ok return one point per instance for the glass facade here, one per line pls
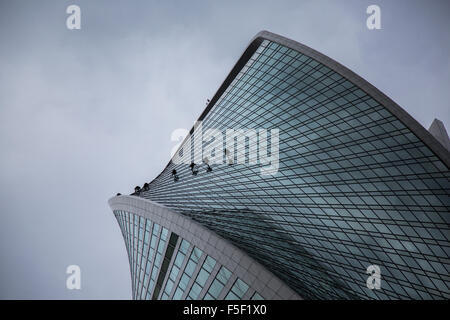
(218, 284)
(165, 266)
(355, 187)
(237, 291)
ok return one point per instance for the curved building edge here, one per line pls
(411, 123)
(242, 266)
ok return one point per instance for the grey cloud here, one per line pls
(85, 114)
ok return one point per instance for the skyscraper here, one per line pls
(353, 182)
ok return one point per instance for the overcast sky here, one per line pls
(87, 113)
